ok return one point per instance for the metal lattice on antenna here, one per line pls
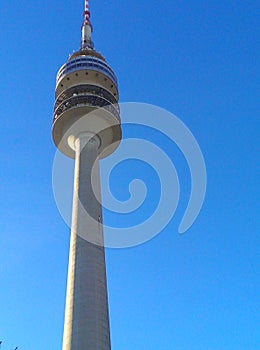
(87, 13)
(87, 29)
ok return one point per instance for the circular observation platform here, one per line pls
(86, 101)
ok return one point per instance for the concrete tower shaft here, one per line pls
(86, 319)
(86, 126)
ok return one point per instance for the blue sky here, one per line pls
(197, 59)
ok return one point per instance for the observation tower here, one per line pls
(86, 127)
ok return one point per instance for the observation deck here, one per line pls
(86, 95)
(86, 63)
(86, 101)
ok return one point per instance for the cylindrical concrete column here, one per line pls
(86, 316)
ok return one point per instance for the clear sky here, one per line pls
(199, 60)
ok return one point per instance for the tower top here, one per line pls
(87, 42)
(86, 14)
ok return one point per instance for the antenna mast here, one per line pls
(87, 29)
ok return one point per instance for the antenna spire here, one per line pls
(87, 29)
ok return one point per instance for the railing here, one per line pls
(84, 90)
(88, 63)
(87, 100)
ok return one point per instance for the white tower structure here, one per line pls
(86, 126)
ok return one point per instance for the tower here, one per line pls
(86, 126)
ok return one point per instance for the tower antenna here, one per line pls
(87, 29)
